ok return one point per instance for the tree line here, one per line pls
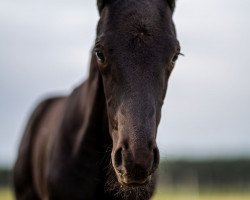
(208, 173)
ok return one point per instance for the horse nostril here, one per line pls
(150, 146)
(156, 159)
(118, 159)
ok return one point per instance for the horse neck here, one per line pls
(93, 115)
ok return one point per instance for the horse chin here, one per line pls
(126, 182)
(121, 189)
(133, 184)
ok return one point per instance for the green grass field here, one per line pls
(5, 194)
(178, 195)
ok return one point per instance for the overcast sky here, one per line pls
(44, 49)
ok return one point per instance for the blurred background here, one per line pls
(204, 135)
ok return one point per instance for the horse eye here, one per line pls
(100, 56)
(174, 59)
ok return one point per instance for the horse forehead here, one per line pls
(137, 16)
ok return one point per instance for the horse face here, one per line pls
(136, 49)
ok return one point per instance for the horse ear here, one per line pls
(100, 5)
(171, 3)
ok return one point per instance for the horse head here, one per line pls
(136, 49)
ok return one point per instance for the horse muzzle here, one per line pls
(134, 167)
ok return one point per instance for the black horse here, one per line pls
(100, 142)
